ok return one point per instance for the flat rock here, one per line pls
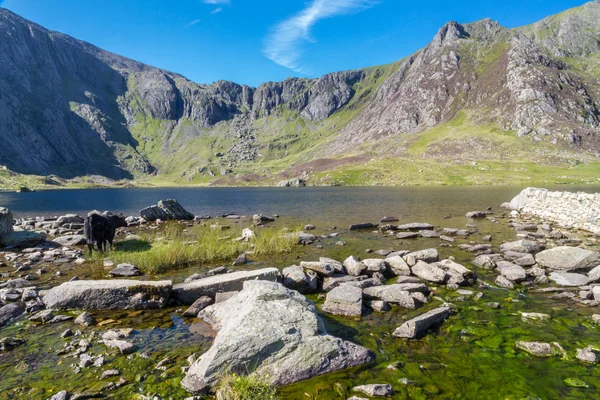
(189, 292)
(337, 280)
(539, 349)
(407, 235)
(124, 346)
(568, 279)
(323, 269)
(567, 259)
(109, 295)
(522, 246)
(70, 240)
(278, 331)
(339, 267)
(22, 239)
(126, 270)
(512, 272)
(375, 390)
(344, 300)
(427, 255)
(366, 225)
(429, 272)
(418, 325)
(353, 266)
(398, 266)
(391, 294)
(414, 226)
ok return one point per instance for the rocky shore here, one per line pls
(273, 322)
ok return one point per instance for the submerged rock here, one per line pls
(9, 343)
(374, 389)
(109, 295)
(568, 259)
(539, 349)
(189, 292)
(270, 331)
(418, 325)
(126, 270)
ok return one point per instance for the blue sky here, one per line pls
(253, 41)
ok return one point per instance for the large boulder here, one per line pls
(273, 332)
(166, 210)
(22, 239)
(6, 221)
(188, 292)
(567, 259)
(109, 295)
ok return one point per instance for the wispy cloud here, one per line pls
(216, 1)
(217, 10)
(284, 45)
(191, 23)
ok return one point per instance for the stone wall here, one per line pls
(567, 209)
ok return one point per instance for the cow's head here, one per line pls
(118, 220)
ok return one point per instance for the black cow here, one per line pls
(100, 229)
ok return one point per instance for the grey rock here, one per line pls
(109, 295)
(594, 275)
(354, 267)
(407, 235)
(6, 221)
(374, 265)
(375, 390)
(415, 226)
(567, 259)
(504, 283)
(477, 214)
(124, 346)
(322, 269)
(512, 272)
(9, 343)
(276, 328)
(85, 319)
(188, 293)
(296, 278)
(10, 311)
(241, 259)
(391, 294)
(126, 270)
(417, 326)
(587, 355)
(398, 266)
(427, 255)
(568, 279)
(337, 280)
(70, 240)
(522, 246)
(22, 239)
(378, 305)
(166, 210)
(224, 296)
(344, 300)
(366, 225)
(429, 272)
(338, 266)
(62, 395)
(539, 349)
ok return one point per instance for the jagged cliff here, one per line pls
(69, 108)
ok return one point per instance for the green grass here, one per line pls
(234, 387)
(179, 246)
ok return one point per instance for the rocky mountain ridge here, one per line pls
(69, 108)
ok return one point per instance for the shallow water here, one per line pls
(471, 356)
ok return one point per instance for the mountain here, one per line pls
(481, 103)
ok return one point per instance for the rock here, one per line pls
(337, 280)
(70, 240)
(407, 235)
(594, 275)
(417, 326)
(522, 246)
(429, 234)
(123, 346)
(388, 219)
(374, 390)
(427, 255)
(42, 316)
(379, 305)
(85, 319)
(279, 330)
(353, 266)
(429, 272)
(487, 261)
(477, 214)
(126, 270)
(398, 266)
(69, 219)
(224, 296)
(116, 334)
(6, 221)
(198, 306)
(504, 283)
(512, 272)
(241, 259)
(109, 373)
(66, 333)
(189, 292)
(366, 225)
(525, 261)
(415, 226)
(567, 259)
(10, 311)
(9, 343)
(166, 210)
(391, 294)
(595, 292)
(344, 300)
(568, 279)
(260, 219)
(62, 395)
(296, 278)
(539, 349)
(109, 295)
(22, 239)
(338, 266)
(374, 265)
(309, 227)
(296, 182)
(527, 317)
(322, 269)
(587, 355)
(305, 238)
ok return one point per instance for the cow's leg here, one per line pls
(90, 247)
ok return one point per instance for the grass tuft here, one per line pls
(234, 387)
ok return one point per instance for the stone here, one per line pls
(487, 261)
(522, 246)
(116, 334)
(391, 294)
(241, 259)
(279, 330)
(477, 214)
(124, 346)
(407, 235)
(415, 226)
(62, 395)
(504, 283)
(9, 343)
(6, 221)
(70, 240)
(322, 269)
(374, 265)
(126, 270)
(166, 210)
(10, 311)
(429, 272)
(85, 319)
(109, 373)
(594, 275)
(353, 266)
(224, 296)
(431, 234)
(388, 219)
(109, 295)
(337, 280)
(42, 316)
(417, 326)
(260, 219)
(595, 292)
(198, 306)
(188, 292)
(296, 278)
(512, 272)
(366, 225)
(375, 390)
(568, 279)
(398, 266)
(344, 300)
(427, 255)
(378, 305)
(338, 266)
(539, 349)
(587, 355)
(22, 239)
(525, 261)
(567, 259)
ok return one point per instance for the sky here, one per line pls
(255, 41)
